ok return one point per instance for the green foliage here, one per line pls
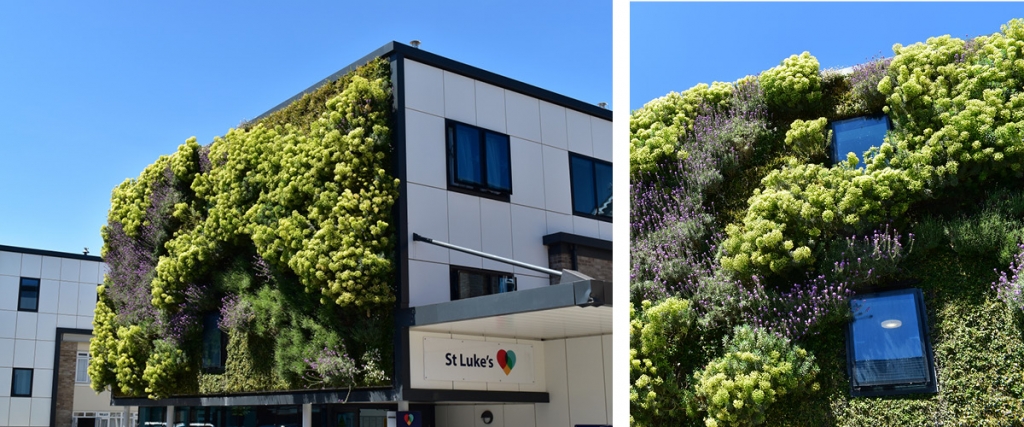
(102, 346)
(656, 127)
(757, 369)
(167, 371)
(794, 85)
(809, 138)
(658, 333)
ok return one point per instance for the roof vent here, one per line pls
(415, 44)
(602, 104)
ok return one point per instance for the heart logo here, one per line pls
(506, 360)
(408, 419)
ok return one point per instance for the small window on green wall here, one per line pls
(857, 135)
(214, 344)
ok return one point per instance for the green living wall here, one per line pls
(747, 240)
(272, 247)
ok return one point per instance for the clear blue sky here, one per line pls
(92, 92)
(674, 46)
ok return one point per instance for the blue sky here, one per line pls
(674, 46)
(92, 92)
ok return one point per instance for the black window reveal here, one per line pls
(888, 348)
(478, 159)
(214, 344)
(470, 282)
(21, 383)
(28, 295)
(591, 187)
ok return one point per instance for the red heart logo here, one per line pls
(408, 419)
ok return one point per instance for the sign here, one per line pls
(408, 419)
(487, 361)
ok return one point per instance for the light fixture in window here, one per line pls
(891, 324)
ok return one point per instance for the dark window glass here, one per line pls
(591, 187)
(478, 159)
(21, 383)
(857, 135)
(468, 283)
(28, 295)
(888, 344)
(214, 353)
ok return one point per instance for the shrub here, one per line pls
(757, 369)
(864, 81)
(867, 260)
(1010, 287)
(657, 335)
(809, 138)
(794, 86)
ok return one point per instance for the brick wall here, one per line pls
(66, 383)
(596, 263)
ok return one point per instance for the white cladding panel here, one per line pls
(541, 136)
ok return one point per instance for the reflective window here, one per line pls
(21, 383)
(478, 159)
(468, 282)
(28, 295)
(888, 347)
(857, 135)
(214, 343)
(591, 187)
(82, 368)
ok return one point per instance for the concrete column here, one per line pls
(307, 415)
(170, 416)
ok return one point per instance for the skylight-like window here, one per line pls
(857, 135)
(888, 350)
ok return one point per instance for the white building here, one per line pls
(47, 301)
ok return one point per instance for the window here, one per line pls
(478, 160)
(591, 187)
(857, 135)
(214, 344)
(469, 282)
(28, 295)
(82, 368)
(21, 383)
(888, 350)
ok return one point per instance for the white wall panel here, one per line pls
(429, 283)
(416, 377)
(497, 411)
(586, 380)
(464, 228)
(5, 384)
(31, 265)
(8, 323)
(468, 385)
(425, 149)
(65, 321)
(51, 268)
(553, 126)
(459, 98)
(559, 223)
(522, 114)
(540, 381)
(602, 136)
(524, 282)
(6, 356)
(21, 408)
(10, 263)
(606, 350)
(460, 416)
(89, 272)
(26, 325)
(44, 355)
(67, 302)
(528, 228)
(490, 107)
(83, 322)
(40, 412)
(428, 216)
(557, 193)
(49, 294)
(586, 227)
(42, 382)
(24, 353)
(580, 133)
(520, 416)
(86, 299)
(496, 232)
(527, 173)
(70, 269)
(9, 291)
(556, 411)
(46, 327)
(424, 88)
(605, 230)
(101, 272)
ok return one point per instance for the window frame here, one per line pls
(222, 360)
(834, 148)
(929, 386)
(484, 189)
(22, 288)
(82, 355)
(14, 375)
(572, 184)
(454, 280)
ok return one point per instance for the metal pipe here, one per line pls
(417, 238)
